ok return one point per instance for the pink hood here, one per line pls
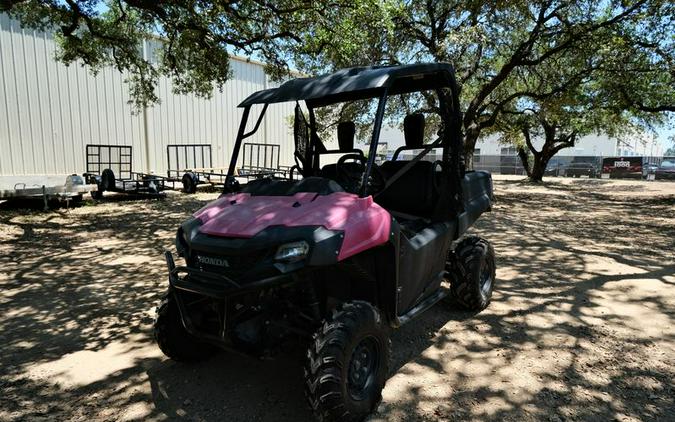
(365, 224)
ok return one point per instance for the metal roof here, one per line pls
(356, 83)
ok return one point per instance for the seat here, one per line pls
(346, 132)
(414, 192)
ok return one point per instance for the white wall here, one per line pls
(49, 111)
(591, 145)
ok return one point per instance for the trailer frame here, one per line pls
(201, 172)
(101, 171)
(71, 191)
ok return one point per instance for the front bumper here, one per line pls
(216, 285)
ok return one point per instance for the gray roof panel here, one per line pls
(353, 83)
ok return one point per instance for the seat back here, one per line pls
(414, 191)
(346, 132)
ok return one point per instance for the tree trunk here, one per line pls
(540, 160)
(538, 168)
(468, 160)
(470, 139)
(552, 145)
(525, 160)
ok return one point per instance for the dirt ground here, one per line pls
(581, 326)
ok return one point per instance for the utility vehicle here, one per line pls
(339, 254)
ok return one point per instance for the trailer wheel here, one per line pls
(152, 183)
(107, 180)
(190, 182)
(172, 337)
(348, 363)
(473, 273)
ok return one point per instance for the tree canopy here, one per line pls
(502, 51)
(521, 52)
(608, 86)
(199, 35)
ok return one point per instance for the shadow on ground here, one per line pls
(581, 325)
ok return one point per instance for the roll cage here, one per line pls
(363, 83)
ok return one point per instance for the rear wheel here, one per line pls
(172, 337)
(348, 363)
(473, 273)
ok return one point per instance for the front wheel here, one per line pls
(473, 274)
(348, 363)
(172, 337)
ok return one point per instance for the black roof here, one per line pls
(357, 83)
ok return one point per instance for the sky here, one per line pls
(663, 136)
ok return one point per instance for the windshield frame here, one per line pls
(451, 140)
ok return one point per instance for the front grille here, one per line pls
(235, 266)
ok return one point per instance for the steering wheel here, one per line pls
(351, 179)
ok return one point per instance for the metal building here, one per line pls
(49, 111)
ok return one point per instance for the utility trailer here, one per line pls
(109, 167)
(192, 165)
(261, 160)
(71, 191)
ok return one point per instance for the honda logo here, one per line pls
(209, 260)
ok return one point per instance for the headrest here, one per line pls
(345, 134)
(413, 130)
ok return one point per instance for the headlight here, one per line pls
(292, 252)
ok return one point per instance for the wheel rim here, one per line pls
(486, 279)
(363, 368)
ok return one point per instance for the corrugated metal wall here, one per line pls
(49, 111)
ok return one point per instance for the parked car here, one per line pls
(649, 168)
(340, 257)
(666, 170)
(581, 169)
(554, 168)
(623, 167)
